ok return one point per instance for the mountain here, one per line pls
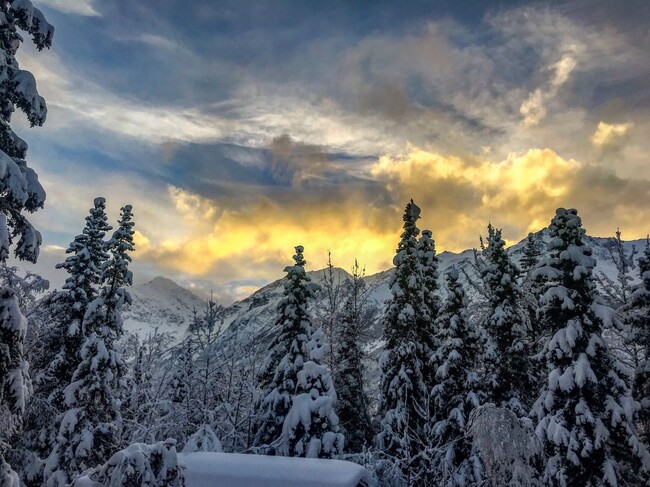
(248, 324)
(162, 304)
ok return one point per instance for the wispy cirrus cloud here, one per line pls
(78, 7)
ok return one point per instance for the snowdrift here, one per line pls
(207, 469)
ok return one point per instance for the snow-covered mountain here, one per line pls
(249, 323)
(162, 304)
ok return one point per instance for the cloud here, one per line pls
(78, 7)
(533, 109)
(293, 162)
(519, 193)
(609, 135)
(251, 238)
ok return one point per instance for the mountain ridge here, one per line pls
(163, 304)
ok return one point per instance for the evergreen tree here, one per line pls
(531, 254)
(426, 330)
(20, 192)
(352, 403)
(506, 349)
(404, 400)
(457, 392)
(288, 352)
(69, 306)
(296, 407)
(183, 377)
(115, 276)
(140, 464)
(585, 412)
(311, 427)
(638, 312)
(89, 430)
(65, 336)
(531, 292)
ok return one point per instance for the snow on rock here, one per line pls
(237, 470)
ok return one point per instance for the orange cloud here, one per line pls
(253, 238)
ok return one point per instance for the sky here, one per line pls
(239, 129)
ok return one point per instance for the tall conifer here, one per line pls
(585, 412)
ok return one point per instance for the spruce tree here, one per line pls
(65, 336)
(311, 426)
(288, 352)
(404, 399)
(531, 254)
(508, 378)
(115, 276)
(352, 403)
(20, 192)
(638, 313)
(89, 430)
(585, 412)
(428, 310)
(531, 292)
(457, 392)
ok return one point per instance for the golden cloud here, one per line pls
(610, 134)
(253, 238)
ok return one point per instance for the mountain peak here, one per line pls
(161, 282)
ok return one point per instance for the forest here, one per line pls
(494, 373)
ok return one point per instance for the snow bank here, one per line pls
(205, 469)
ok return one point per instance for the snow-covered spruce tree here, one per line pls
(61, 344)
(139, 465)
(89, 430)
(638, 316)
(531, 291)
(426, 330)
(20, 192)
(138, 403)
(68, 307)
(352, 401)
(181, 383)
(204, 439)
(204, 331)
(311, 427)
(115, 276)
(508, 380)
(457, 391)
(296, 407)
(585, 413)
(287, 352)
(530, 254)
(404, 400)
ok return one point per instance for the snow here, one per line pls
(203, 440)
(238, 470)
